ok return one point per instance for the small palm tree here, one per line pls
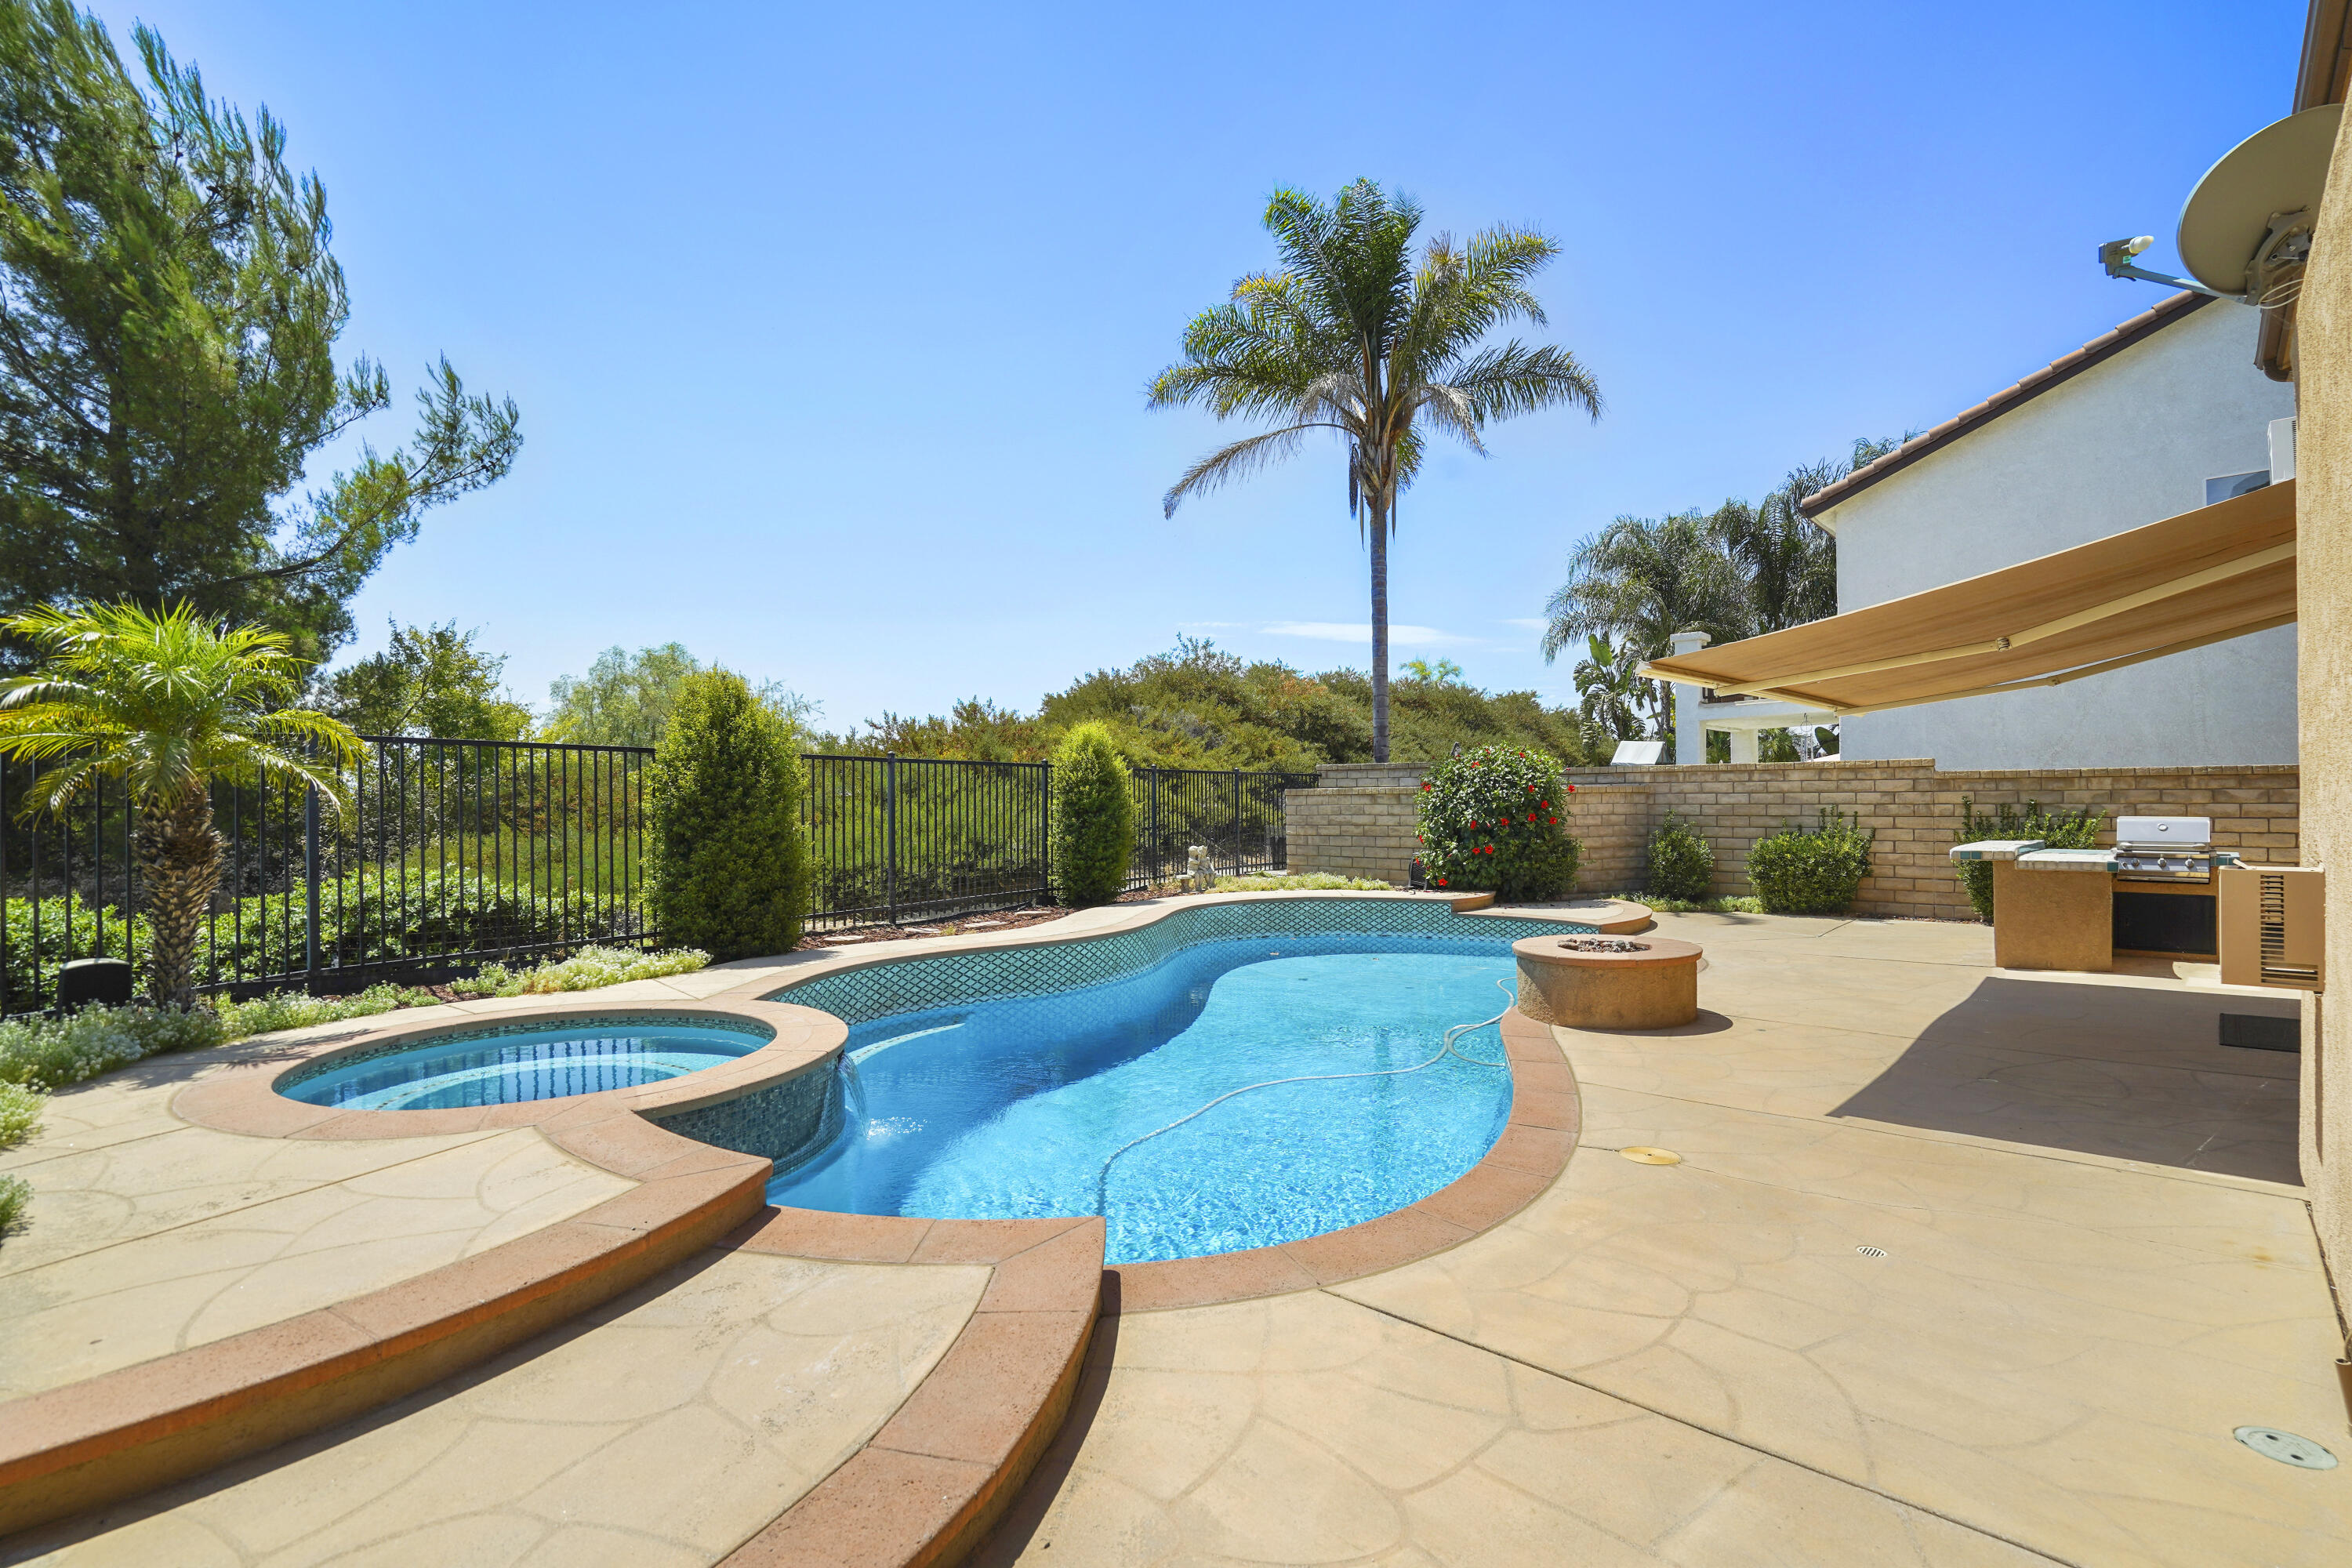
(1352, 336)
(1611, 696)
(166, 703)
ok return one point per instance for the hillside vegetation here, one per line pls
(1199, 707)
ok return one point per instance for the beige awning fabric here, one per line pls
(2202, 577)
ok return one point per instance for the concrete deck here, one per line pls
(2095, 1268)
(2094, 1265)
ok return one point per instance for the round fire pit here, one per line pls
(1608, 981)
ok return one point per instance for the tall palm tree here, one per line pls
(1354, 337)
(167, 702)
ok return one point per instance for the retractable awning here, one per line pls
(2202, 577)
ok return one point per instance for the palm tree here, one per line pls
(1640, 580)
(1611, 695)
(1353, 337)
(1790, 560)
(167, 702)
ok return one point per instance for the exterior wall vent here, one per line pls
(2273, 927)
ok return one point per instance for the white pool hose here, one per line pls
(1446, 1049)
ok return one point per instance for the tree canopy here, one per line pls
(626, 700)
(169, 310)
(1200, 707)
(429, 680)
(1738, 572)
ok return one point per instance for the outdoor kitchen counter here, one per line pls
(2058, 921)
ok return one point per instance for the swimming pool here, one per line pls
(1009, 1102)
(539, 1060)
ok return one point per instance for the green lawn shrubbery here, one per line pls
(2059, 829)
(412, 914)
(1681, 863)
(729, 858)
(1493, 818)
(1811, 870)
(1093, 836)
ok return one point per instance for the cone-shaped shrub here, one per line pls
(728, 861)
(1094, 818)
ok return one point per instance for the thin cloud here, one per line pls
(1360, 632)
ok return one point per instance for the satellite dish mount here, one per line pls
(2245, 230)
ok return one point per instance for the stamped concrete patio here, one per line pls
(2086, 1263)
(2095, 1265)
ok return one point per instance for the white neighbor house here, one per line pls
(2127, 429)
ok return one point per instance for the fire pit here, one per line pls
(1608, 983)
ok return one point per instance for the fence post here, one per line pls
(1045, 829)
(890, 833)
(1237, 822)
(1155, 827)
(310, 880)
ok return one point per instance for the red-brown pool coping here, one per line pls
(925, 1488)
(930, 1482)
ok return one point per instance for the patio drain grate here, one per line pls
(1872, 1251)
(2285, 1447)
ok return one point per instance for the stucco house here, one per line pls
(2162, 416)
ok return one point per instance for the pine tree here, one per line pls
(169, 308)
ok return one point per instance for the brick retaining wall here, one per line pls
(1359, 820)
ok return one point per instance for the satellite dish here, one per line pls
(2278, 169)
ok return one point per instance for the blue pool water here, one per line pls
(498, 1067)
(1010, 1106)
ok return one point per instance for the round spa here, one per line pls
(540, 1059)
(1608, 981)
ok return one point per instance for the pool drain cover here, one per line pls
(2285, 1447)
(1642, 1153)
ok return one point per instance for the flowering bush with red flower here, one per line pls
(1496, 817)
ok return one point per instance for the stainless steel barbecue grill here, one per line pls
(2164, 849)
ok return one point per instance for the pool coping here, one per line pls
(926, 1486)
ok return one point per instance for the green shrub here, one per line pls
(1491, 819)
(1811, 870)
(1681, 863)
(1092, 837)
(296, 1010)
(15, 1193)
(1738, 904)
(2059, 829)
(50, 1053)
(20, 1114)
(729, 862)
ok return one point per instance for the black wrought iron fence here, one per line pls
(451, 852)
(899, 839)
(461, 852)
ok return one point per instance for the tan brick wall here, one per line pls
(1362, 816)
(1357, 822)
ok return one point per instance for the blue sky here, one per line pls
(830, 326)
